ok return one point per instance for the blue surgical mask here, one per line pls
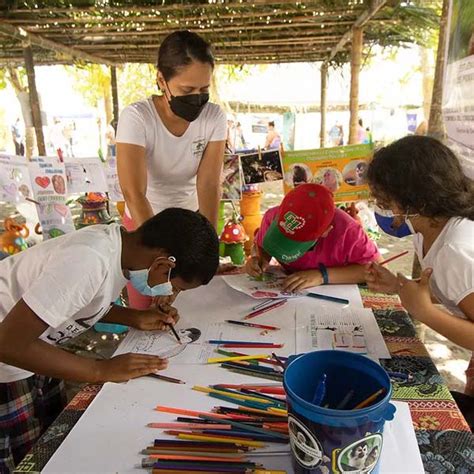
(385, 219)
(139, 280)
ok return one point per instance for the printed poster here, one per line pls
(15, 183)
(86, 175)
(343, 170)
(48, 178)
(261, 167)
(458, 99)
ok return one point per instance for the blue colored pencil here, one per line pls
(327, 298)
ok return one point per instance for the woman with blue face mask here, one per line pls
(420, 186)
(170, 146)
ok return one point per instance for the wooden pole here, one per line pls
(356, 57)
(115, 100)
(34, 100)
(324, 87)
(436, 123)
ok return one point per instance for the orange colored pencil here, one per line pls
(184, 457)
(182, 411)
(189, 426)
(370, 399)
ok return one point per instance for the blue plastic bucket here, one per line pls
(330, 439)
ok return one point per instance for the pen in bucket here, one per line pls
(320, 391)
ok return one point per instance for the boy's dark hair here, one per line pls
(180, 49)
(189, 237)
(423, 176)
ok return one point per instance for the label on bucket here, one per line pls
(360, 456)
(306, 448)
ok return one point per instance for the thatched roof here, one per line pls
(241, 32)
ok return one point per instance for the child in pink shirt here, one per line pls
(312, 240)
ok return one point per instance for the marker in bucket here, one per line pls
(345, 400)
(320, 391)
(370, 399)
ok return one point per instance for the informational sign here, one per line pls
(86, 175)
(15, 183)
(458, 98)
(343, 170)
(113, 185)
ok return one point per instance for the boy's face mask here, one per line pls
(385, 218)
(139, 280)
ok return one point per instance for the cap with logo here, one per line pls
(304, 215)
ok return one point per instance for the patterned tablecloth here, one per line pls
(444, 438)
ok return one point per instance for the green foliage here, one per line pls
(462, 28)
(92, 81)
(135, 82)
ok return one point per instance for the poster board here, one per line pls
(15, 183)
(86, 175)
(341, 169)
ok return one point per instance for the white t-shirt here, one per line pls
(452, 259)
(69, 282)
(172, 162)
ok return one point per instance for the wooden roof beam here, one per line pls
(366, 16)
(22, 35)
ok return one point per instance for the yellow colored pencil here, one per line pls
(241, 442)
(218, 360)
(266, 471)
(370, 399)
(237, 396)
(266, 412)
(280, 411)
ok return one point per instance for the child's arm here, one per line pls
(153, 319)
(348, 274)
(416, 298)
(21, 347)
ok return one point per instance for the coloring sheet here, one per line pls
(349, 329)
(86, 175)
(15, 183)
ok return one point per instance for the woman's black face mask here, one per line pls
(188, 107)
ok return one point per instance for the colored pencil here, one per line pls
(265, 309)
(391, 259)
(263, 303)
(226, 341)
(262, 395)
(182, 411)
(229, 393)
(173, 330)
(192, 437)
(280, 362)
(195, 457)
(370, 399)
(165, 378)
(257, 395)
(261, 345)
(208, 446)
(342, 404)
(252, 325)
(245, 427)
(165, 470)
(255, 368)
(334, 299)
(269, 438)
(187, 426)
(216, 360)
(255, 374)
(399, 375)
(320, 391)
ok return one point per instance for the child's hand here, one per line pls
(156, 319)
(255, 267)
(415, 295)
(128, 366)
(380, 279)
(300, 280)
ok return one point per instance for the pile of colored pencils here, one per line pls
(225, 439)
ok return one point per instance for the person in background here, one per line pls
(58, 289)
(314, 241)
(240, 143)
(361, 133)
(273, 139)
(18, 138)
(336, 134)
(170, 147)
(110, 140)
(420, 189)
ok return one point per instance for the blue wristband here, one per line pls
(324, 273)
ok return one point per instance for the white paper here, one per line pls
(15, 183)
(86, 175)
(115, 191)
(351, 329)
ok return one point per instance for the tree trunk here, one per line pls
(34, 100)
(324, 84)
(108, 106)
(115, 100)
(426, 56)
(356, 57)
(436, 123)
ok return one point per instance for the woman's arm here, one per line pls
(132, 174)
(208, 180)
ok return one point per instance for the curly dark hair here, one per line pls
(422, 176)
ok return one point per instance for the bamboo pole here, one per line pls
(356, 57)
(34, 100)
(115, 99)
(324, 82)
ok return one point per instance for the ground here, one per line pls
(450, 359)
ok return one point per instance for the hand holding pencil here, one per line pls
(380, 279)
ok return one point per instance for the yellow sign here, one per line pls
(342, 169)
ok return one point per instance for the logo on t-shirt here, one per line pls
(197, 147)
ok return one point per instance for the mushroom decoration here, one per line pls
(233, 237)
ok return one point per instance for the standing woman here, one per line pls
(170, 147)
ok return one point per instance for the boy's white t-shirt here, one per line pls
(452, 259)
(70, 283)
(172, 162)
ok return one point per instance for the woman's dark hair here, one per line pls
(180, 49)
(271, 123)
(423, 176)
(189, 237)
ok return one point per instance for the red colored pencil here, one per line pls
(254, 346)
(391, 259)
(265, 309)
